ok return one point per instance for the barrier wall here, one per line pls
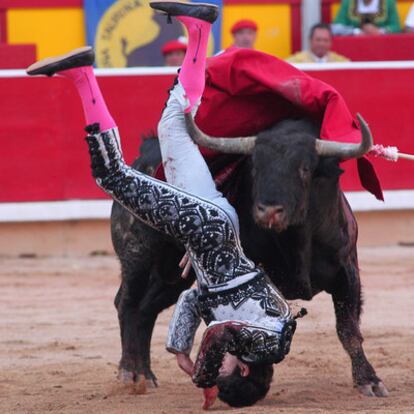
(375, 48)
(44, 157)
(58, 26)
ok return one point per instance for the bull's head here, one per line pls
(283, 167)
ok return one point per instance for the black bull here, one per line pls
(294, 221)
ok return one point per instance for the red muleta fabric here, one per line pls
(248, 91)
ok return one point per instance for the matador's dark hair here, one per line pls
(238, 391)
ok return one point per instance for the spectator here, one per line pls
(369, 17)
(174, 52)
(320, 43)
(244, 34)
(409, 21)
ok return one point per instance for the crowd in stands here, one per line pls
(355, 18)
(368, 17)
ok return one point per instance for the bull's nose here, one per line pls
(270, 210)
(271, 216)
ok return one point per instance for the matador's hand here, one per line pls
(185, 363)
(185, 264)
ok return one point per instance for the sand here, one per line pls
(59, 344)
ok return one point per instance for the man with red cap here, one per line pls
(174, 52)
(244, 33)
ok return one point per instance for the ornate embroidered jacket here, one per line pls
(252, 316)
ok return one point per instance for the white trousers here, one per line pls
(183, 163)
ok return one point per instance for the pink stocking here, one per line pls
(93, 102)
(192, 73)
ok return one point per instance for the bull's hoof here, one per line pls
(152, 382)
(132, 377)
(373, 389)
(140, 386)
(126, 377)
(132, 383)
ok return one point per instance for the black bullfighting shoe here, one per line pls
(203, 11)
(84, 56)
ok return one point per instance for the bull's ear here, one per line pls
(328, 167)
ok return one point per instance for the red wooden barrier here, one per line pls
(45, 158)
(375, 48)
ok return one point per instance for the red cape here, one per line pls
(248, 91)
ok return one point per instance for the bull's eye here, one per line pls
(304, 172)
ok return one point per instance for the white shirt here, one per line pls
(318, 59)
(409, 22)
(370, 8)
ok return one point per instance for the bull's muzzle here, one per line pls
(271, 217)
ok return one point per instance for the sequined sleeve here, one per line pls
(184, 323)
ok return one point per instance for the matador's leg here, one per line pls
(203, 227)
(183, 164)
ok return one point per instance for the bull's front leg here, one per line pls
(133, 331)
(137, 319)
(346, 297)
(160, 296)
(301, 251)
(304, 261)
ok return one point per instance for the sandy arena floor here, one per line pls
(59, 344)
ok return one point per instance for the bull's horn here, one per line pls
(243, 145)
(346, 150)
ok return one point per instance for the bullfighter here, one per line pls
(250, 324)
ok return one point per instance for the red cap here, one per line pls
(172, 46)
(244, 24)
